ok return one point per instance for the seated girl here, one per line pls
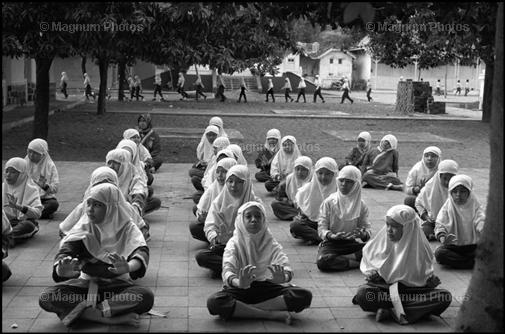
(100, 175)
(255, 273)
(283, 162)
(220, 221)
(266, 155)
(459, 225)
(309, 199)
(398, 267)
(218, 144)
(21, 200)
(421, 173)
(210, 175)
(145, 158)
(150, 139)
(343, 218)
(357, 154)
(217, 121)
(239, 156)
(204, 151)
(96, 263)
(43, 172)
(202, 209)
(380, 165)
(433, 195)
(284, 206)
(6, 242)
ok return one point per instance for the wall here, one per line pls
(293, 66)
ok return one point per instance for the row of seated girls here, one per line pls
(327, 210)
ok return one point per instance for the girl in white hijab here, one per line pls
(421, 173)
(204, 151)
(100, 175)
(266, 154)
(220, 221)
(202, 208)
(398, 265)
(101, 254)
(239, 156)
(284, 206)
(433, 195)
(218, 144)
(21, 200)
(309, 199)
(287, 89)
(381, 165)
(211, 176)
(64, 83)
(217, 121)
(6, 241)
(283, 162)
(358, 152)
(343, 218)
(255, 270)
(459, 225)
(42, 170)
(146, 161)
(270, 90)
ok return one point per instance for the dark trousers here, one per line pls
(157, 162)
(459, 257)
(50, 206)
(196, 229)
(64, 89)
(152, 203)
(287, 96)
(199, 92)
(410, 200)
(467, 90)
(417, 302)
(330, 254)
(6, 272)
(438, 91)
(458, 91)
(197, 171)
(196, 196)
(368, 96)
(270, 92)
(137, 93)
(318, 93)
(157, 89)
(270, 184)
(150, 177)
(197, 183)
(346, 96)
(304, 228)
(301, 92)
(89, 92)
(222, 303)
(211, 259)
(262, 176)
(181, 91)
(121, 298)
(242, 93)
(220, 93)
(23, 230)
(283, 210)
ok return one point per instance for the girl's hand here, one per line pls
(119, 264)
(68, 267)
(342, 236)
(278, 274)
(246, 276)
(372, 276)
(449, 239)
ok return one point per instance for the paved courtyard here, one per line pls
(181, 287)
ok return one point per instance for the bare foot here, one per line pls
(281, 316)
(289, 319)
(129, 319)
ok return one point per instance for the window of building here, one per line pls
(340, 60)
(291, 60)
(331, 60)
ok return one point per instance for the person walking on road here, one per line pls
(368, 90)
(199, 88)
(243, 88)
(270, 90)
(220, 88)
(301, 90)
(64, 84)
(317, 93)
(346, 89)
(287, 90)
(180, 86)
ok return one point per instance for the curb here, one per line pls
(14, 124)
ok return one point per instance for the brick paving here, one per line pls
(181, 287)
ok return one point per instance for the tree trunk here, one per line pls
(103, 65)
(482, 309)
(121, 69)
(83, 65)
(488, 91)
(41, 115)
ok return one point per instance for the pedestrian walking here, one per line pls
(243, 88)
(368, 90)
(287, 89)
(220, 88)
(137, 84)
(131, 86)
(438, 91)
(347, 90)
(467, 87)
(199, 87)
(458, 88)
(64, 83)
(180, 86)
(87, 87)
(157, 87)
(317, 92)
(301, 90)
(270, 90)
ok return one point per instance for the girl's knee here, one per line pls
(146, 300)
(47, 297)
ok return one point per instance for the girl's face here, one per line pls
(324, 176)
(345, 185)
(221, 175)
(142, 123)
(287, 146)
(11, 175)
(272, 141)
(361, 142)
(95, 210)
(460, 194)
(430, 159)
(395, 230)
(34, 157)
(445, 178)
(216, 149)
(116, 165)
(253, 219)
(136, 139)
(386, 145)
(211, 136)
(235, 186)
(301, 172)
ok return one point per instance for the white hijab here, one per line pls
(237, 151)
(132, 148)
(260, 249)
(143, 151)
(311, 195)
(205, 151)
(420, 170)
(273, 133)
(43, 167)
(217, 121)
(116, 234)
(292, 182)
(126, 171)
(368, 140)
(348, 206)
(409, 260)
(283, 161)
(215, 188)
(433, 195)
(462, 220)
(393, 143)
